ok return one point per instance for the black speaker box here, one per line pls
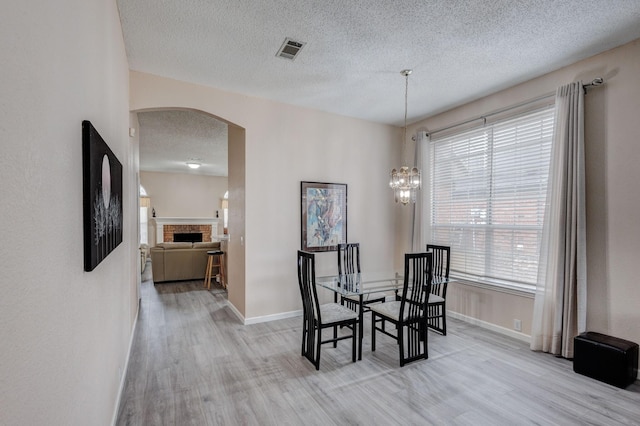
(606, 358)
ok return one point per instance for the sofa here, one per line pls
(180, 261)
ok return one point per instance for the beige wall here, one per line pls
(64, 333)
(235, 246)
(134, 183)
(612, 174)
(183, 195)
(283, 146)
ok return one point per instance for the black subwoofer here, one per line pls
(606, 358)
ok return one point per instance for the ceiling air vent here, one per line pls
(290, 49)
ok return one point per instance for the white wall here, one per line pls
(64, 332)
(612, 155)
(286, 145)
(183, 195)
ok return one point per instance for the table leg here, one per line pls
(360, 328)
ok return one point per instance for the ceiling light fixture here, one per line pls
(405, 182)
(193, 164)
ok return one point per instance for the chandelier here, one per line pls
(406, 181)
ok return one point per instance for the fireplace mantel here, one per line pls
(160, 223)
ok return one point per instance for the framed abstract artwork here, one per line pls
(324, 215)
(102, 197)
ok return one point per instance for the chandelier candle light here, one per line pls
(405, 182)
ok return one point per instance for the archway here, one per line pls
(236, 203)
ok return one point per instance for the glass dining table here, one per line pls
(360, 285)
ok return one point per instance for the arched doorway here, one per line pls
(235, 187)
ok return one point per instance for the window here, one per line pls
(144, 237)
(225, 211)
(488, 195)
(145, 203)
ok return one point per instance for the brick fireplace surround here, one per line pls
(169, 230)
(167, 226)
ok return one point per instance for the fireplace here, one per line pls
(187, 237)
(166, 227)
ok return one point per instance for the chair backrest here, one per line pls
(348, 258)
(441, 260)
(417, 284)
(307, 283)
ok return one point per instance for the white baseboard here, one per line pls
(502, 330)
(264, 318)
(273, 317)
(236, 312)
(123, 378)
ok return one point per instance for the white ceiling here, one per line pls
(459, 50)
(169, 139)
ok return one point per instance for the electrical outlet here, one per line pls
(517, 325)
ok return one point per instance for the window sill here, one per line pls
(502, 288)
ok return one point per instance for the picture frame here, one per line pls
(102, 198)
(323, 215)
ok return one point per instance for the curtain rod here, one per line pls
(599, 81)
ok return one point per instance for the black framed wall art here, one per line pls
(324, 215)
(102, 197)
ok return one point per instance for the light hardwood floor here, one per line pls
(194, 363)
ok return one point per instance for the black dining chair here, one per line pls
(436, 305)
(317, 317)
(349, 263)
(408, 312)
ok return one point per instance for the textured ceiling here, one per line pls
(459, 50)
(168, 139)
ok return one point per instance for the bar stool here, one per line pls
(215, 260)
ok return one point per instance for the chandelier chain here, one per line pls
(406, 103)
(405, 181)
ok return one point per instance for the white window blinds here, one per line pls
(488, 194)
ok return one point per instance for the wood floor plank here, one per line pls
(193, 362)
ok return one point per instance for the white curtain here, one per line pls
(560, 301)
(417, 242)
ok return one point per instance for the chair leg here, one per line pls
(444, 320)
(223, 276)
(353, 342)
(373, 331)
(401, 344)
(425, 335)
(335, 336)
(318, 345)
(207, 275)
(437, 318)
